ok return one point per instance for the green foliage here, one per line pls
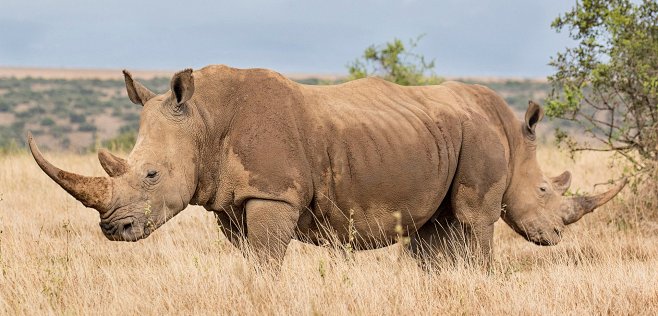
(608, 82)
(5, 106)
(47, 121)
(60, 130)
(87, 127)
(318, 81)
(9, 140)
(77, 118)
(395, 62)
(10, 146)
(124, 142)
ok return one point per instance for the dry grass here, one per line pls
(54, 259)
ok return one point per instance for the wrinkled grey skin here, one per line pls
(276, 160)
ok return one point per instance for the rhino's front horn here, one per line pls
(93, 192)
(113, 165)
(577, 207)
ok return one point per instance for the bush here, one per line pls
(131, 117)
(77, 118)
(60, 130)
(125, 141)
(47, 121)
(5, 106)
(395, 62)
(86, 127)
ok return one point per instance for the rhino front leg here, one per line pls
(478, 242)
(478, 188)
(476, 211)
(270, 228)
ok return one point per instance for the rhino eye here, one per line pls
(151, 174)
(543, 189)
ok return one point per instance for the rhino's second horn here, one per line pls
(113, 165)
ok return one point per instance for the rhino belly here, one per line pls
(376, 180)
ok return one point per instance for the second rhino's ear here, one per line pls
(137, 93)
(182, 86)
(533, 115)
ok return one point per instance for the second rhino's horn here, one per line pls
(575, 208)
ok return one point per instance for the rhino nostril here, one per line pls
(127, 226)
(106, 227)
(558, 232)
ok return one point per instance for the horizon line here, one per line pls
(70, 73)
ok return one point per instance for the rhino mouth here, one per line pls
(125, 229)
(544, 237)
(129, 228)
(538, 233)
(133, 227)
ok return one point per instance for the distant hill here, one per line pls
(78, 110)
(105, 74)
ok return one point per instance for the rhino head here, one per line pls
(536, 207)
(159, 177)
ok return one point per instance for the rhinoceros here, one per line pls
(362, 162)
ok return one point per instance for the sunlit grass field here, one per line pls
(55, 260)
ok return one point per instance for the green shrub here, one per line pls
(125, 141)
(47, 121)
(395, 62)
(77, 118)
(86, 127)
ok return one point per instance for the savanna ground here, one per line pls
(55, 260)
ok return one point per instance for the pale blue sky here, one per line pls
(466, 37)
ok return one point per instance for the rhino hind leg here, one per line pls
(442, 240)
(447, 241)
(436, 240)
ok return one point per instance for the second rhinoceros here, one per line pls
(277, 160)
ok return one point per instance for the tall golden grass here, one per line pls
(54, 260)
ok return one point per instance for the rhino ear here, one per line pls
(137, 93)
(533, 115)
(182, 86)
(562, 182)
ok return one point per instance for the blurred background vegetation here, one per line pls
(72, 115)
